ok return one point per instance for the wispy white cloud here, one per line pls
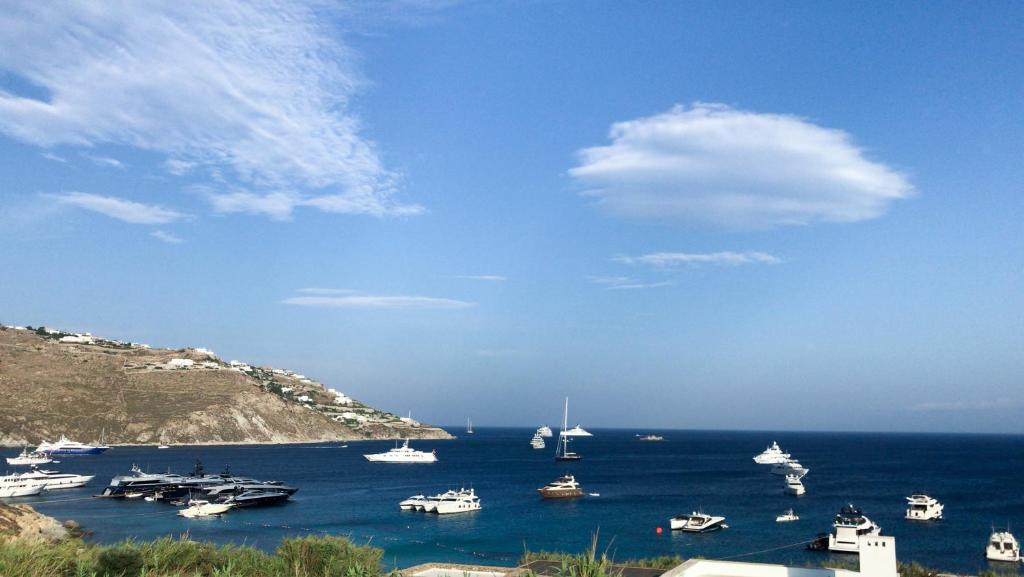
(669, 259)
(713, 164)
(166, 237)
(104, 161)
(326, 291)
(483, 277)
(258, 89)
(54, 157)
(119, 208)
(1003, 403)
(377, 302)
(626, 283)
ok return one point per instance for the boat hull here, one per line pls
(78, 451)
(560, 493)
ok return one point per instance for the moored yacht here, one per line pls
(537, 442)
(430, 505)
(27, 457)
(650, 438)
(565, 487)
(697, 522)
(403, 454)
(794, 485)
(921, 507)
(200, 508)
(772, 455)
(463, 502)
(66, 446)
(16, 486)
(787, 516)
(416, 502)
(1002, 546)
(544, 431)
(56, 480)
(850, 523)
(789, 467)
(256, 498)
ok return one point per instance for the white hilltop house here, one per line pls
(203, 351)
(877, 559)
(340, 398)
(240, 366)
(350, 416)
(304, 399)
(179, 364)
(85, 339)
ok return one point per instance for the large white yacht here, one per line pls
(921, 507)
(772, 455)
(537, 442)
(403, 454)
(463, 502)
(697, 522)
(790, 467)
(1003, 546)
(850, 523)
(16, 486)
(544, 431)
(66, 446)
(56, 480)
(794, 485)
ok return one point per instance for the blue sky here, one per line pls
(695, 215)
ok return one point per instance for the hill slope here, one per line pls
(55, 383)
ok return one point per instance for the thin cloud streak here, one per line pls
(727, 258)
(626, 283)
(118, 208)
(374, 302)
(166, 237)
(326, 291)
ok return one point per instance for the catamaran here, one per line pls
(562, 453)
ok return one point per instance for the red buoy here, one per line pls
(658, 530)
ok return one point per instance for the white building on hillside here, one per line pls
(179, 364)
(877, 559)
(85, 339)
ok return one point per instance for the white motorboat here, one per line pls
(544, 431)
(787, 516)
(66, 446)
(403, 454)
(199, 508)
(794, 485)
(27, 457)
(163, 447)
(850, 523)
(537, 442)
(772, 455)
(921, 507)
(1003, 546)
(463, 502)
(413, 503)
(565, 487)
(789, 467)
(697, 522)
(56, 480)
(16, 486)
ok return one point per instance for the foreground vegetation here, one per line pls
(168, 557)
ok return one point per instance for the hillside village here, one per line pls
(142, 363)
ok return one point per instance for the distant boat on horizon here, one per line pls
(469, 427)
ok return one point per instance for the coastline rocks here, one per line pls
(23, 522)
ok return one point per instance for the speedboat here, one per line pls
(787, 517)
(565, 487)
(544, 431)
(403, 454)
(921, 507)
(30, 458)
(1003, 546)
(16, 486)
(56, 480)
(537, 442)
(256, 498)
(416, 502)
(200, 508)
(697, 522)
(66, 446)
(772, 455)
(650, 438)
(794, 486)
(788, 467)
(850, 523)
(463, 502)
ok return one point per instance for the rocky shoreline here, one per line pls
(24, 522)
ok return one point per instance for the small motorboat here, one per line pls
(697, 522)
(565, 487)
(198, 508)
(921, 507)
(1003, 546)
(787, 516)
(163, 447)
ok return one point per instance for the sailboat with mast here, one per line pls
(562, 453)
(469, 427)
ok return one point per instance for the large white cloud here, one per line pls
(259, 88)
(713, 164)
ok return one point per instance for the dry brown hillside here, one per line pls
(128, 393)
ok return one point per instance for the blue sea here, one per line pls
(641, 484)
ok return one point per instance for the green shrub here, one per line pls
(121, 560)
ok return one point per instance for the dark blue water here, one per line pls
(641, 485)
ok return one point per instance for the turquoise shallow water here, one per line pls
(641, 485)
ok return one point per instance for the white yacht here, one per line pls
(15, 486)
(544, 431)
(27, 457)
(537, 442)
(577, 431)
(697, 522)
(403, 454)
(794, 485)
(66, 446)
(921, 507)
(416, 502)
(463, 502)
(772, 455)
(1002, 546)
(847, 528)
(789, 467)
(787, 516)
(200, 508)
(430, 505)
(56, 480)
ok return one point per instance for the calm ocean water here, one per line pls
(641, 485)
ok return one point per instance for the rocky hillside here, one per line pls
(23, 522)
(55, 383)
